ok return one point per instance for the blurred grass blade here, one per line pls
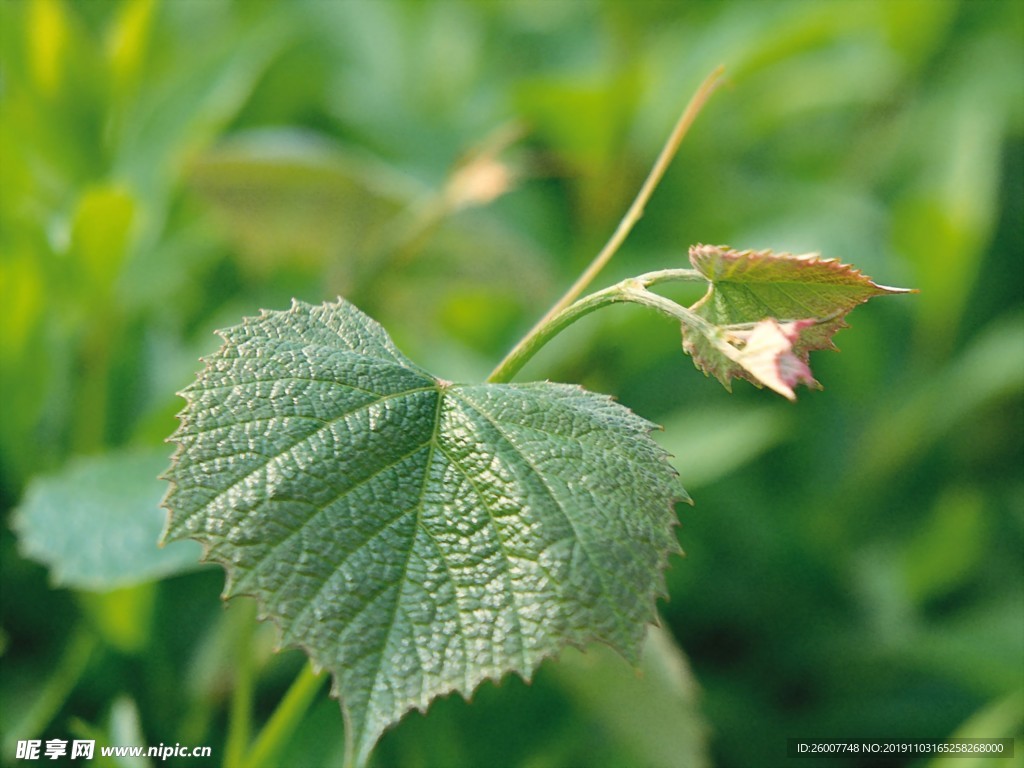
(654, 711)
(1000, 719)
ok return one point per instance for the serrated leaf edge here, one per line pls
(632, 655)
(851, 275)
(810, 258)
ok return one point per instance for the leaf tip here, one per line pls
(889, 289)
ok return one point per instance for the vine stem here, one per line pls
(633, 215)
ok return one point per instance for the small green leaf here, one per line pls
(768, 311)
(414, 536)
(95, 524)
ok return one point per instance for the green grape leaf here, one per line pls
(95, 524)
(767, 311)
(414, 536)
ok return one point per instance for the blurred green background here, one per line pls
(854, 565)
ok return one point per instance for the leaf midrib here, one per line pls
(418, 523)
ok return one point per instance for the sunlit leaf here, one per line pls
(416, 537)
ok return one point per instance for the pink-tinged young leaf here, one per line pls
(805, 297)
(750, 286)
(767, 355)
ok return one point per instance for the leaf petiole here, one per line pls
(671, 276)
(633, 290)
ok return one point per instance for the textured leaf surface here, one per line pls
(414, 536)
(95, 524)
(768, 311)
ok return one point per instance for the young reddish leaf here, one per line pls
(768, 311)
(768, 355)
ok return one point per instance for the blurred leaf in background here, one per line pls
(853, 562)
